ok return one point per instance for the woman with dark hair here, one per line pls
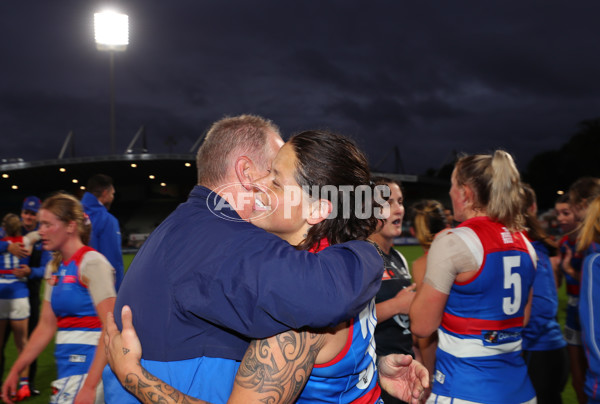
(396, 293)
(316, 194)
(79, 293)
(476, 287)
(581, 193)
(544, 347)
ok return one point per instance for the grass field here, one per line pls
(46, 370)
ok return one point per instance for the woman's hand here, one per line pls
(399, 304)
(403, 377)
(22, 271)
(18, 250)
(565, 264)
(404, 298)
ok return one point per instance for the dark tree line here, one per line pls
(555, 170)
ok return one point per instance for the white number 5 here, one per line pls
(512, 281)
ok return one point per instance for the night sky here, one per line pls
(427, 77)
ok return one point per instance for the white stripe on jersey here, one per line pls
(473, 348)
(8, 281)
(78, 337)
(435, 399)
(472, 241)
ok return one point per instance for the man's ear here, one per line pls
(103, 195)
(243, 171)
(319, 211)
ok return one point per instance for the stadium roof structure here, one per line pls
(145, 184)
(71, 174)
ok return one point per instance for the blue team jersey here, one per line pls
(350, 377)
(479, 351)
(572, 319)
(12, 287)
(78, 324)
(543, 332)
(590, 322)
(576, 261)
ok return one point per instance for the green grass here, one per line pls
(47, 372)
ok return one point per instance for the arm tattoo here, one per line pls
(151, 390)
(278, 367)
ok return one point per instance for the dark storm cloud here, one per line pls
(435, 108)
(377, 113)
(36, 123)
(542, 48)
(427, 78)
(87, 120)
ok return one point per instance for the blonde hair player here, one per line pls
(478, 280)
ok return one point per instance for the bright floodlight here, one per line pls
(111, 30)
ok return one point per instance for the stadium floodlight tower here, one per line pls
(112, 34)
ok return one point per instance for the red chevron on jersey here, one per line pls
(79, 322)
(464, 325)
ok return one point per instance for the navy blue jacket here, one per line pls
(106, 234)
(203, 282)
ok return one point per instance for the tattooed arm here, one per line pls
(273, 370)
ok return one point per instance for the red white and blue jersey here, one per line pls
(590, 321)
(12, 287)
(79, 327)
(576, 261)
(350, 377)
(479, 351)
(573, 285)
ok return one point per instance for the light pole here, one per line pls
(112, 34)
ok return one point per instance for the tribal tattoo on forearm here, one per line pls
(278, 367)
(151, 390)
(273, 370)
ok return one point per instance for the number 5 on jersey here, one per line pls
(512, 280)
